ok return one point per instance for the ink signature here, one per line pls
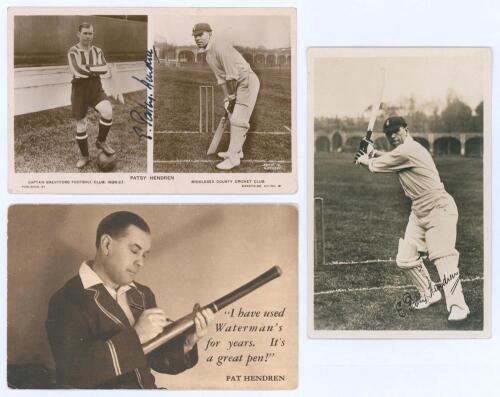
(146, 116)
(408, 303)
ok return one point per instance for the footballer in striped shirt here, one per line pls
(87, 63)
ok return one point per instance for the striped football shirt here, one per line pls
(84, 63)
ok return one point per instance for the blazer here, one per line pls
(94, 345)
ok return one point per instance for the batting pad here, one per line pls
(422, 280)
(407, 256)
(449, 274)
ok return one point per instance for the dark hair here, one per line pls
(116, 224)
(84, 25)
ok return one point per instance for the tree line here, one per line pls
(456, 116)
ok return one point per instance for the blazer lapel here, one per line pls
(136, 301)
(108, 305)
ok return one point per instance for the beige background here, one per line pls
(199, 253)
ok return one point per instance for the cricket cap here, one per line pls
(392, 124)
(201, 27)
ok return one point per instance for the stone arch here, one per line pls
(337, 142)
(322, 144)
(352, 144)
(186, 56)
(382, 144)
(474, 147)
(447, 145)
(271, 59)
(282, 60)
(424, 142)
(248, 57)
(259, 59)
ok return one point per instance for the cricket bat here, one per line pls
(377, 101)
(376, 104)
(217, 135)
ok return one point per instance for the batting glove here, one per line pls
(366, 146)
(362, 159)
(229, 103)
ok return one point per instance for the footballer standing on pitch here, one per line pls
(87, 63)
(239, 84)
(432, 225)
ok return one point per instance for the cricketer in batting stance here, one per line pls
(87, 63)
(432, 225)
(239, 84)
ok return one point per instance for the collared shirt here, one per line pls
(416, 171)
(90, 278)
(225, 61)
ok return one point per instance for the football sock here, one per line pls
(104, 126)
(82, 141)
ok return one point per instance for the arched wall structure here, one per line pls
(187, 57)
(262, 57)
(474, 147)
(440, 143)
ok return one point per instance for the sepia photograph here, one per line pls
(166, 100)
(152, 296)
(400, 203)
(74, 93)
(224, 90)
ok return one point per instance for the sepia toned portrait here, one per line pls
(399, 214)
(224, 91)
(152, 296)
(166, 101)
(74, 93)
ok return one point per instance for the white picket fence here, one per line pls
(49, 87)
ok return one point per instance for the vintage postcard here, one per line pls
(400, 188)
(164, 100)
(153, 296)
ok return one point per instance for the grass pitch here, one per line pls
(177, 112)
(365, 214)
(191, 153)
(45, 141)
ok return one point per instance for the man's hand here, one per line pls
(366, 146)
(370, 149)
(202, 320)
(91, 73)
(229, 103)
(150, 323)
(362, 158)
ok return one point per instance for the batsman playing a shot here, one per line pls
(432, 225)
(239, 84)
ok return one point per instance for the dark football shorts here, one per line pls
(85, 93)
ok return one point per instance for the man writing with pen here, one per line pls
(98, 322)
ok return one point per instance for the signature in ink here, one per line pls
(145, 116)
(408, 303)
(404, 305)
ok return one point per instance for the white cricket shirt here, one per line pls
(417, 174)
(225, 61)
